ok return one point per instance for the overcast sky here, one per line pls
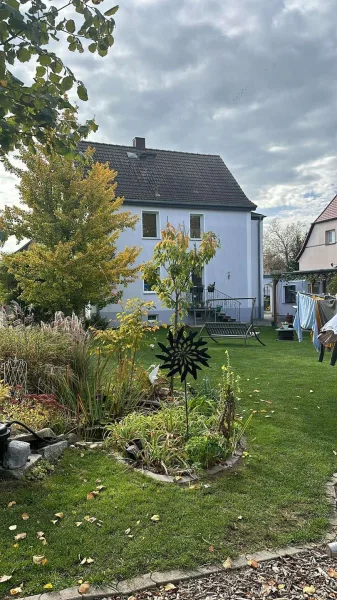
(251, 80)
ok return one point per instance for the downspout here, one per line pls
(259, 269)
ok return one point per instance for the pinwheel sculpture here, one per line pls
(185, 355)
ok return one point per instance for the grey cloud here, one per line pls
(252, 81)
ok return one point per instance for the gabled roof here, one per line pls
(328, 214)
(151, 176)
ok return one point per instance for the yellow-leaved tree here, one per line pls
(73, 218)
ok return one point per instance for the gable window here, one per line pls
(150, 224)
(289, 294)
(196, 226)
(330, 236)
(147, 286)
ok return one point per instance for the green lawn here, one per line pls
(278, 490)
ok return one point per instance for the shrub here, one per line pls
(206, 450)
(160, 437)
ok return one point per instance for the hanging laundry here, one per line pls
(305, 317)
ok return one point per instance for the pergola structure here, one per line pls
(312, 276)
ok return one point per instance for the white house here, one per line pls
(198, 191)
(319, 250)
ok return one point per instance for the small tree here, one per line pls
(175, 255)
(282, 244)
(73, 219)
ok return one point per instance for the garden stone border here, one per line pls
(157, 579)
(186, 479)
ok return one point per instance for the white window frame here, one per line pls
(153, 212)
(333, 231)
(149, 291)
(152, 317)
(202, 224)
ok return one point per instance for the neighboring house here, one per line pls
(319, 250)
(198, 191)
(285, 295)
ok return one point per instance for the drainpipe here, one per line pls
(259, 267)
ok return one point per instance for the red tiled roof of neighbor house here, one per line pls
(330, 212)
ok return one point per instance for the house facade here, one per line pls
(319, 250)
(198, 192)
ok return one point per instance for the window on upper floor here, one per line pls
(150, 224)
(196, 226)
(330, 236)
(289, 294)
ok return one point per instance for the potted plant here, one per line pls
(211, 287)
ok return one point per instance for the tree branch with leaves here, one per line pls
(29, 111)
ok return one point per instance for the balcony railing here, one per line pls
(200, 297)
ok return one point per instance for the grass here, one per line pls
(279, 490)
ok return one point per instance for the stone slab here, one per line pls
(16, 456)
(66, 594)
(209, 570)
(137, 584)
(54, 451)
(95, 592)
(161, 578)
(262, 556)
(290, 551)
(19, 473)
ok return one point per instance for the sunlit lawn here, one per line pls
(278, 490)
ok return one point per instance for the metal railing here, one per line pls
(217, 301)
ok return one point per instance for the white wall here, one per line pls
(284, 308)
(318, 255)
(233, 269)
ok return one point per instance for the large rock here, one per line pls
(16, 455)
(43, 433)
(53, 451)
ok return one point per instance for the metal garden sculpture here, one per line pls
(184, 354)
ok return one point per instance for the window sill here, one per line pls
(330, 243)
(151, 238)
(144, 292)
(196, 239)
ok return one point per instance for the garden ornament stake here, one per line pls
(184, 355)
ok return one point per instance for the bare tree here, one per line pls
(282, 244)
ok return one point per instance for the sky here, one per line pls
(251, 80)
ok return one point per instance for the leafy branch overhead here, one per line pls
(29, 110)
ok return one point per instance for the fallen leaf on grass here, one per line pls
(127, 531)
(90, 519)
(84, 587)
(59, 515)
(155, 518)
(20, 536)
(332, 573)
(87, 561)
(78, 523)
(54, 521)
(100, 488)
(12, 503)
(25, 516)
(39, 560)
(228, 563)
(211, 549)
(15, 545)
(12, 527)
(309, 589)
(90, 496)
(39, 534)
(48, 586)
(15, 591)
(170, 587)
(240, 517)
(253, 563)
(4, 578)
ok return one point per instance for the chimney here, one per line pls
(138, 143)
